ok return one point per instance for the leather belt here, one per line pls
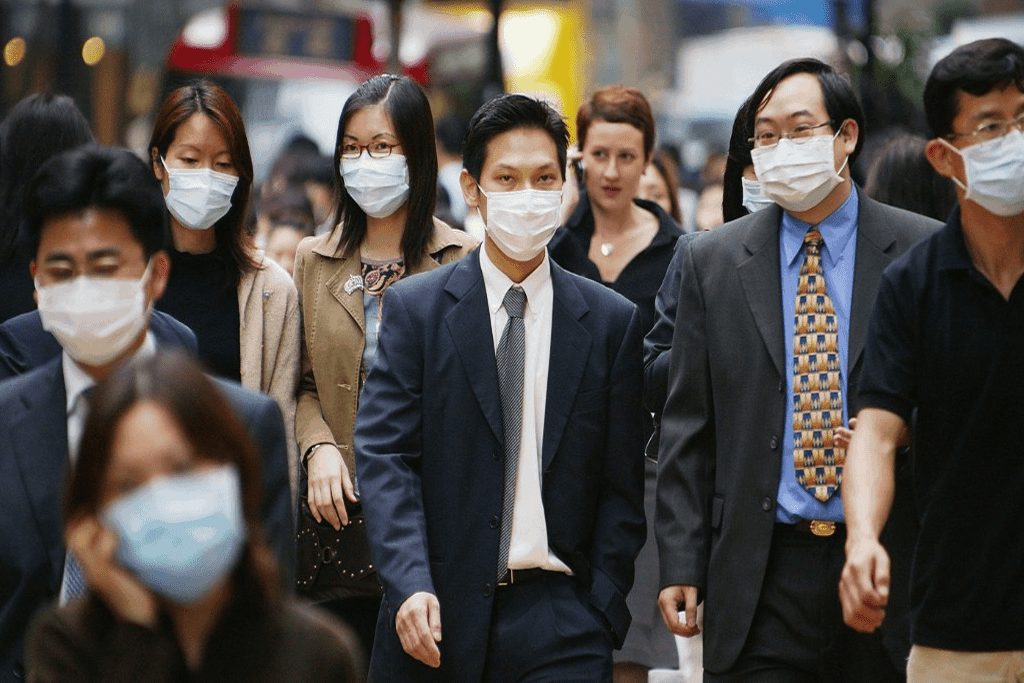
(820, 528)
(514, 576)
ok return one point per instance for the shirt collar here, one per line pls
(77, 381)
(497, 283)
(837, 230)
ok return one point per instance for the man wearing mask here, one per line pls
(98, 228)
(499, 440)
(765, 360)
(944, 350)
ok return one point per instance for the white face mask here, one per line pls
(198, 197)
(995, 173)
(522, 223)
(378, 186)
(94, 318)
(753, 200)
(798, 175)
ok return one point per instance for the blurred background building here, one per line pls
(291, 63)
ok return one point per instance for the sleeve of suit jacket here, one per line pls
(268, 430)
(388, 453)
(686, 462)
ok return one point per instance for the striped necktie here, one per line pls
(511, 362)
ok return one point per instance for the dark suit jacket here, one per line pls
(24, 344)
(33, 467)
(429, 456)
(723, 420)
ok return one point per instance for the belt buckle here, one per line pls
(820, 528)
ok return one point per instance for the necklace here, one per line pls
(607, 249)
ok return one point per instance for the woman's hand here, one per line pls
(571, 187)
(94, 547)
(843, 436)
(329, 483)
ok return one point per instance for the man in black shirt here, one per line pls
(947, 341)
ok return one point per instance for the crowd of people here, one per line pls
(466, 403)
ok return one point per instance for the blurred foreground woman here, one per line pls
(162, 513)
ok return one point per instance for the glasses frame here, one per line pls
(789, 136)
(1005, 125)
(369, 152)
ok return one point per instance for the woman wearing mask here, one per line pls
(660, 184)
(387, 179)
(163, 516)
(741, 193)
(242, 306)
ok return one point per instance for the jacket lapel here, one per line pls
(40, 440)
(759, 275)
(342, 286)
(469, 325)
(875, 244)
(570, 351)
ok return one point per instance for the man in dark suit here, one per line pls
(499, 441)
(772, 314)
(98, 223)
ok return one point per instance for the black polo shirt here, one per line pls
(944, 341)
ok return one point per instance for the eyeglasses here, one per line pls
(799, 135)
(376, 150)
(991, 130)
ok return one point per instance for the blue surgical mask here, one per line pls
(180, 534)
(753, 200)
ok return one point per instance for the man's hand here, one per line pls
(674, 599)
(418, 625)
(329, 483)
(864, 584)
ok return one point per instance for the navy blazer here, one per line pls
(33, 467)
(429, 456)
(24, 344)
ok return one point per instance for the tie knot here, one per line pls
(813, 241)
(515, 301)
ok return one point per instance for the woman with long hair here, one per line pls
(386, 178)
(242, 306)
(162, 514)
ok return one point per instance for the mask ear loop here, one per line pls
(847, 159)
(956, 180)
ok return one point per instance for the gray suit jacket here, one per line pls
(722, 426)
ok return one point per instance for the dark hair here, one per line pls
(665, 165)
(617, 104)
(841, 101)
(205, 97)
(736, 160)
(290, 206)
(176, 384)
(36, 129)
(508, 112)
(976, 68)
(451, 130)
(94, 176)
(409, 112)
(900, 175)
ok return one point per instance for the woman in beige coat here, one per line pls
(242, 306)
(387, 175)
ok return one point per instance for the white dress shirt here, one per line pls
(529, 544)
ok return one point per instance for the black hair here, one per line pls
(505, 113)
(736, 160)
(841, 101)
(37, 128)
(451, 130)
(900, 175)
(103, 177)
(976, 68)
(409, 111)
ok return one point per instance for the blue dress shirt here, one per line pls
(838, 252)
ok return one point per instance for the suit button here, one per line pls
(494, 522)
(782, 386)
(488, 590)
(496, 456)
(767, 503)
(773, 443)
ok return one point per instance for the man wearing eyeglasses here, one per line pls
(946, 343)
(765, 361)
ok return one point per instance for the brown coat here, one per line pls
(333, 333)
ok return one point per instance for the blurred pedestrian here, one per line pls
(749, 515)
(96, 223)
(943, 354)
(163, 516)
(37, 128)
(900, 175)
(450, 132)
(387, 180)
(660, 184)
(242, 306)
(499, 439)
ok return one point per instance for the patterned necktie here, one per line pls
(511, 361)
(817, 393)
(73, 582)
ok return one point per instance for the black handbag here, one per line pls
(329, 559)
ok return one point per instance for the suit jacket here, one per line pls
(33, 467)
(430, 457)
(24, 344)
(722, 425)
